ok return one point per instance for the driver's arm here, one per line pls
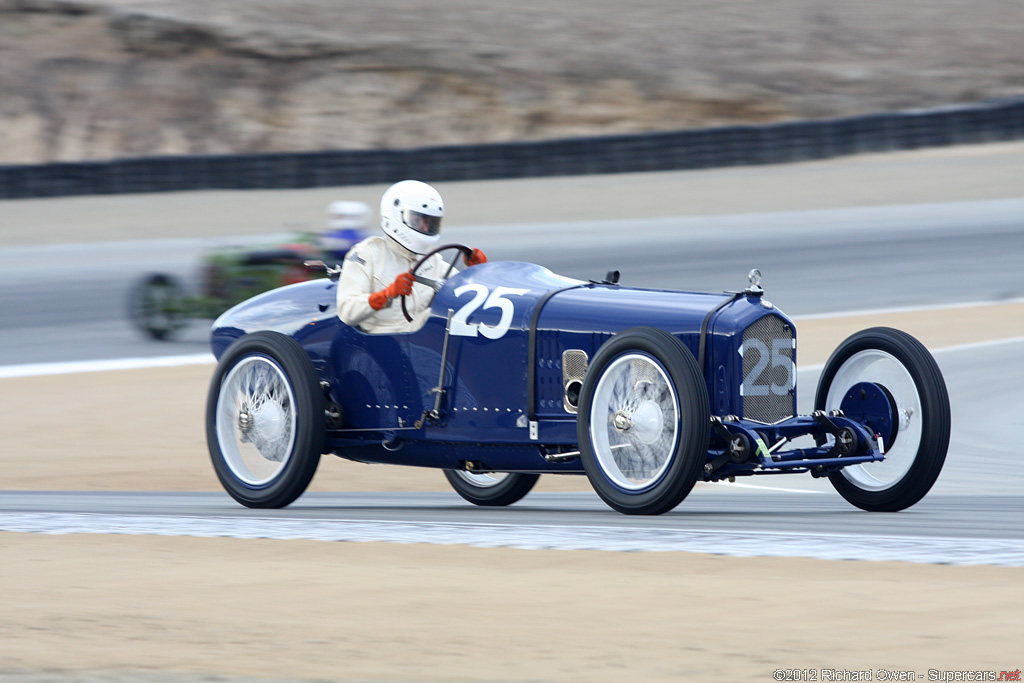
(361, 292)
(356, 284)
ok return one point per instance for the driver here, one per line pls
(377, 270)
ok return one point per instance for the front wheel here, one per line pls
(913, 383)
(265, 420)
(491, 489)
(644, 421)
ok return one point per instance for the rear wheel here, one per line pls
(913, 383)
(265, 420)
(491, 489)
(644, 422)
(156, 305)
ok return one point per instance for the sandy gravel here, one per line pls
(349, 611)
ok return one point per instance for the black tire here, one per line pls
(911, 378)
(265, 420)
(156, 306)
(489, 490)
(662, 426)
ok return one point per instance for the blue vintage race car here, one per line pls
(520, 372)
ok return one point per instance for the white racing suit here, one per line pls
(372, 265)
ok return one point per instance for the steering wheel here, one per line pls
(435, 284)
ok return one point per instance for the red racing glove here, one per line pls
(402, 286)
(476, 258)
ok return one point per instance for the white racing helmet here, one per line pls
(346, 215)
(346, 221)
(410, 214)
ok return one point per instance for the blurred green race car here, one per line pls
(158, 304)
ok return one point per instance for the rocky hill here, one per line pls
(93, 79)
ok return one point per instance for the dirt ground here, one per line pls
(349, 611)
(131, 608)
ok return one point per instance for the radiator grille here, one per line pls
(769, 370)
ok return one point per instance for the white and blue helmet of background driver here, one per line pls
(346, 224)
(410, 214)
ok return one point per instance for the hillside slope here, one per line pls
(90, 79)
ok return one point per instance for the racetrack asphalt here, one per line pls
(812, 262)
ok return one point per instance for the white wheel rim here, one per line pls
(256, 420)
(634, 421)
(882, 368)
(483, 480)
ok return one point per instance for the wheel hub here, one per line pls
(263, 426)
(622, 422)
(648, 422)
(645, 422)
(245, 422)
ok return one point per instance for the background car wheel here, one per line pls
(910, 376)
(644, 421)
(156, 305)
(493, 489)
(265, 420)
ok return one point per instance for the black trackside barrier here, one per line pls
(677, 150)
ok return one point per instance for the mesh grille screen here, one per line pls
(574, 368)
(574, 365)
(769, 371)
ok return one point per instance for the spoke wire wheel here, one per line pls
(256, 420)
(634, 423)
(491, 489)
(643, 425)
(884, 369)
(906, 370)
(484, 480)
(265, 420)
